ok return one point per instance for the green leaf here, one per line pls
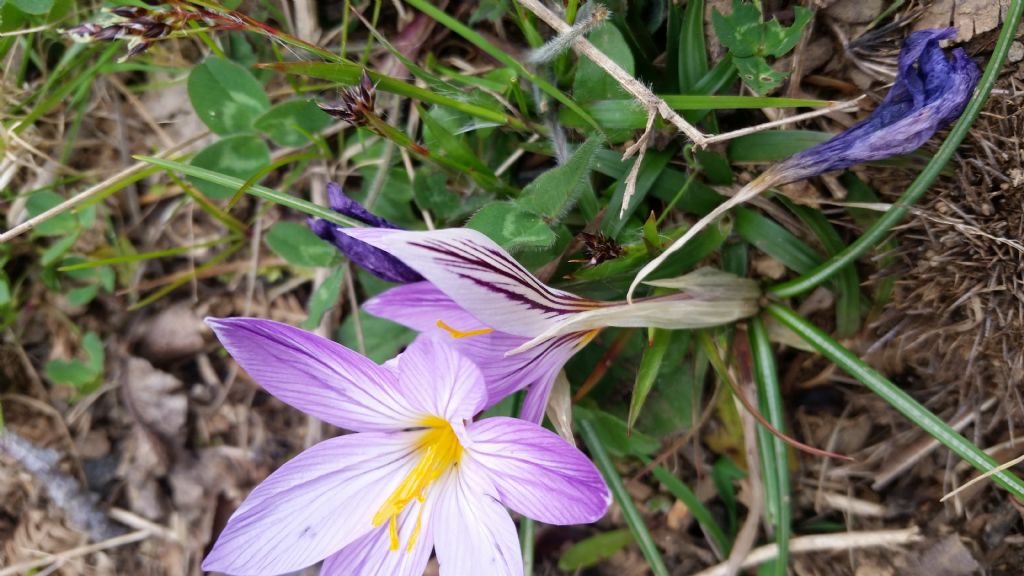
(383, 338)
(433, 194)
(770, 146)
(592, 550)
(654, 162)
(776, 241)
(693, 56)
(757, 74)
(226, 96)
(5, 291)
(62, 223)
(614, 434)
(82, 295)
(742, 31)
(778, 39)
(83, 376)
(325, 297)
(291, 123)
(512, 227)
(239, 156)
(554, 192)
(593, 83)
(57, 249)
(650, 365)
(298, 245)
(438, 135)
(35, 7)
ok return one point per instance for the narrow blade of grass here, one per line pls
(895, 396)
(633, 518)
(281, 198)
(773, 448)
(128, 258)
(700, 512)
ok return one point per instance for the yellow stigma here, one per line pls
(440, 450)
(459, 333)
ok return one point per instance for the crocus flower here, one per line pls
(373, 260)
(931, 90)
(417, 475)
(517, 329)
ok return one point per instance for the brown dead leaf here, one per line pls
(856, 11)
(945, 557)
(154, 398)
(174, 333)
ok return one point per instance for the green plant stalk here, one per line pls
(281, 198)
(128, 258)
(633, 518)
(500, 55)
(881, 228)
(700, 512)
(772, 405)
(527, 537)
(485, 181)
(892, 394)
(185, 280)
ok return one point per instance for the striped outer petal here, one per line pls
(537, 473)
(371, 555)
(679, 311)
(316, 504)
(419, 306)
(473, 533)
(478, 274)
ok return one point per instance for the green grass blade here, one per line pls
(775, 241)
(650, 365)
(895, 396)
(772, 406)
(847, 282)
(527, 539)
(700, 512)
(629, 511)
(880, 229)
(128, 258)
(281, 198)
(500, 55)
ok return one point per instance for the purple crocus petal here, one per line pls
(537, 473)
(341, 203)
(371, 555)
(316, 504)
(436, 380)
(420, 305)
(931, 90)
(318, 376)
(473, 533)
(478, 274)
(373, 260)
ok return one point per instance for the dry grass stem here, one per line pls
(824, 543)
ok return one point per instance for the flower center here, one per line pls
(455, 333)
(439, 450)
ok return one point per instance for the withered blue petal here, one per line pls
(931, 90)
(373, 260)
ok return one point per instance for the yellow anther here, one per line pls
(440, 450)
(459, 333)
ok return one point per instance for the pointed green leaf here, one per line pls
(239, 156)
(554, 192)
(512, 227)
(291, 123)
(299, 246)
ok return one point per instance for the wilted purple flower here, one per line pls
(418, 474)
(374, 260)
(931, 90)
(517, 329)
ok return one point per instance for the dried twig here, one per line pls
(824, 542)
(647, 98)
(62, 557)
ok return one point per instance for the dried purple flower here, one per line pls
(374, 260)
(931, 90)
